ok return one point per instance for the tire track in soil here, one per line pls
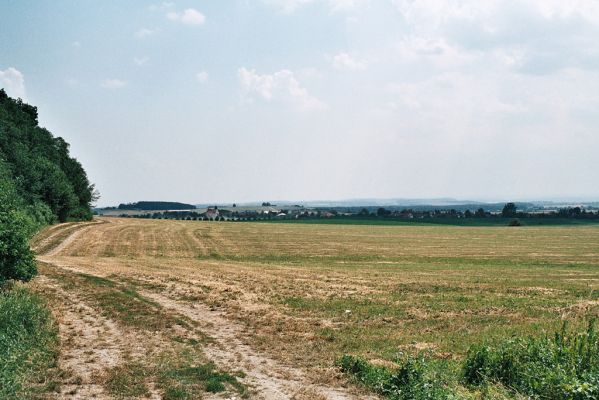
(269, 378)
(92, 344)
(46, 247)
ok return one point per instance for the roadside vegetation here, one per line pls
(39, 184)
(565, 366)
(28, 344)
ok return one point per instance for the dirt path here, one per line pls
(57, 239)
(90, 344)
(271, 379)
(93, 344)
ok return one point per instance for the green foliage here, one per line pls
(39, 184)
(563, 367)
(414, 379)
(514, 222)
(16, 259)
(40, 167)
(28, 340)
(509, 210)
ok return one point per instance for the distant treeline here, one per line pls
(156, 205)
(509, 215)
(509, 210)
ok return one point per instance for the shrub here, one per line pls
(16, 259)
(563, 367)
(514, 222)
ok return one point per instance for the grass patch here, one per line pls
(118, 301)
(28, 344)
(127, 381)
(183, 377)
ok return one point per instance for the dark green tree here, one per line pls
(509, 210)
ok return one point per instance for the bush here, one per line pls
(514, 222)
(563, 367)
(414, 379)
(16, 259)
(28, 340)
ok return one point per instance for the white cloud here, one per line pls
(344, 61)
(202, 77)
(345, 5)
(290, 6)
(188, 17)
(72, 81)
(281, 85)
(139, 61)
(113, 83)
(287, 6)
(76, 44)
(13, 82)
(143, 33)
(535, 37)
(163, 6)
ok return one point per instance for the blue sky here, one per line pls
(233, 101)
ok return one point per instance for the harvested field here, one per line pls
(272, 306)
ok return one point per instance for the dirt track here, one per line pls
(146, 304)
(94, 343)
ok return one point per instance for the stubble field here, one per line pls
(265, 310)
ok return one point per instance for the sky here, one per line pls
(258, 100)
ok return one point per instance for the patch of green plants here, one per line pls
(415, 378)
(565, 366)
(28, 343)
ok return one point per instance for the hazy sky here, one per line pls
(239, 100)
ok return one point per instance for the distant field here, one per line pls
(305, 294)
(490, 221)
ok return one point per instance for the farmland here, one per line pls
(175, 308)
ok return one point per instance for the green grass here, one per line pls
(28, 344)
(565, 366)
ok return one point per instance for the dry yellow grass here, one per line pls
(305, 294)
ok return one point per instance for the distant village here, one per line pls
(269, 212)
